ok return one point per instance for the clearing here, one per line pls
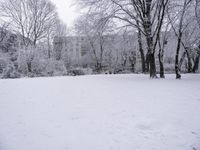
(103, 112)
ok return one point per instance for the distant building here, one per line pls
(74, 48)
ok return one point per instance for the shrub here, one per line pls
(76, 72)
(38, 67)
(55, 68)
(3, 65)
(10, 72)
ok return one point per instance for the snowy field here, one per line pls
(114, 112)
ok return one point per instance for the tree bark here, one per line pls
(151, 58)
(177, 67)
(149, 39)
(141, 49)
(196, 64)
(179, 35)
(160, 57)
(147, 63)
(189, 61)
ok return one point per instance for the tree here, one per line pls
(56, 29)
(141, 50)
(180, 11)
(95, 28)
(197, 50)
(31, 18)
(148, 13)
(162, 42)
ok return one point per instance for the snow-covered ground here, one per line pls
(114, 112)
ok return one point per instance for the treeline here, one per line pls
(153, 20)
(118, 35)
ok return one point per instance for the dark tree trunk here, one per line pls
(143, 60)
(132, 60)
(29, 67)
(141, 49)
(177, 66)
(149, 39)
(160, 57)
(132, 67)
(179, 35)
(147, 63)
(152, 66)
(189, 61)
(151, 58)
(196, 64)
(98, 67)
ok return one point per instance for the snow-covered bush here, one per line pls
(55, 68)
(22, 63)
(87, 71)
(10, 72)
(3, 65)
(38, 66)
(80, 71)
(76, 72)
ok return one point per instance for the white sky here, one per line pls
(66, 10)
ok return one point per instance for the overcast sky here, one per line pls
(67, 11)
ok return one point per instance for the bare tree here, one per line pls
(55, 29)
(141, 50)
(148, 13)
(31, 18)
(179, 29)
(162, 42)
(197, 50)
(95, 27)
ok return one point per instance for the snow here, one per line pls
(104, 112)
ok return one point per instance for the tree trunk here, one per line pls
(147, 63)
(189, 61)
(182, 59)
(143, 60)
(196, 64)
(160, 56)
(177, 66)
(152, 66)
(141, 49)
(151, 57)
(180, 33)
(29, 66)
(149, 39)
